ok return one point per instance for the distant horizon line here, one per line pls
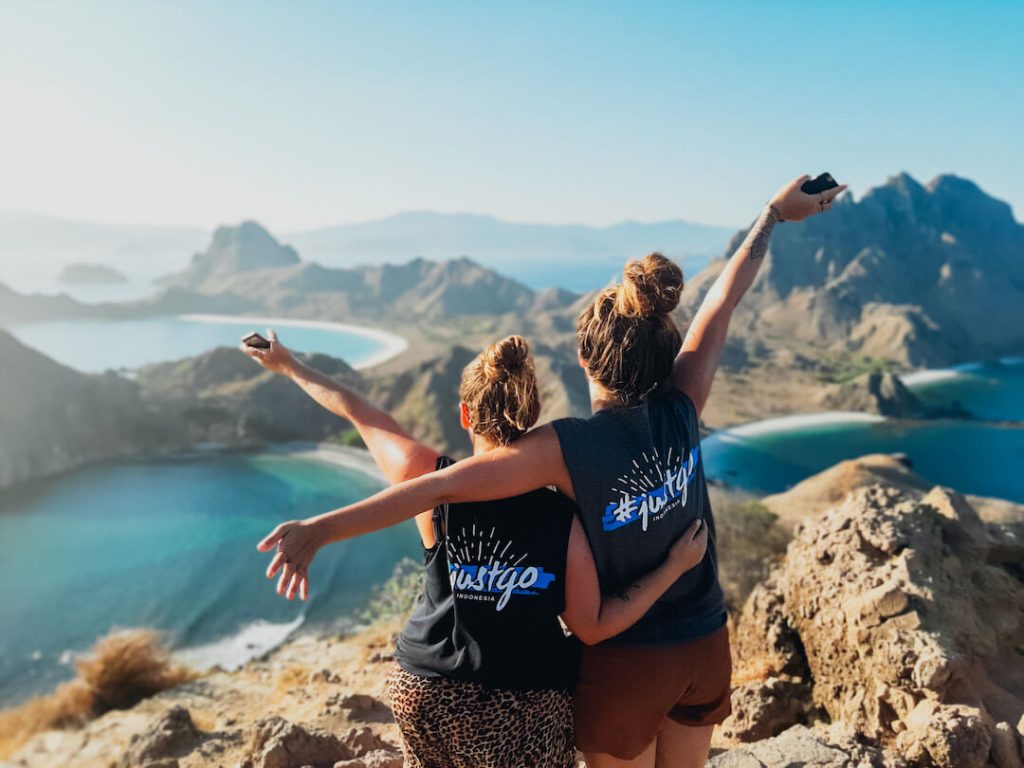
(287, 231)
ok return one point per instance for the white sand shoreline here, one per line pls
(392, 344)
(918, 378)
(792, 423)
(357, 459)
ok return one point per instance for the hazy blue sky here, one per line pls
(302, 114)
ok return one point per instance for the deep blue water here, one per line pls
(993, 391)
(971, 456)
(171, 545)
(96, 345)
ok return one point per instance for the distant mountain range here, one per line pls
(922, 275)
(575, 257)
(34, 248)
(926, 275)
(247, 263)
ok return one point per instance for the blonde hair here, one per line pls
(627, 336)
(499, 389)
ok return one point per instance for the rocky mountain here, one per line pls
(221, 397)
(247, 263)
(53, 418)
(925, 275)
(233, 251)
(18, 307)
(898, 616)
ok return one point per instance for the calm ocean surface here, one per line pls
(96, 345)
(172, 545)
(971, 456)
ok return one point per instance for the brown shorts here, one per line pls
(626, 692)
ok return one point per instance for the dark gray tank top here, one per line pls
(639, 483)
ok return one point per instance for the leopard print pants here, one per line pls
(454, 724)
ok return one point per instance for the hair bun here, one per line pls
(506, 358)
(650, 286)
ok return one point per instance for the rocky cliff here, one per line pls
(898, 617)
(53, 418)
(924, 274)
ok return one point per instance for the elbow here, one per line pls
(591, 635)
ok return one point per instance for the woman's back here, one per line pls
(639, 482)
(495, 587)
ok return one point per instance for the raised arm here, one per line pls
(593, 618)
(398, 454)
(531, 462)
(697, 361)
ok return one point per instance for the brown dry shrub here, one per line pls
(119, 671)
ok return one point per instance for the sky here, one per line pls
(307, 114)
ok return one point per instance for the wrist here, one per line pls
(772, 211)
(320, 529)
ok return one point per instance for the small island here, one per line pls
(90, 274)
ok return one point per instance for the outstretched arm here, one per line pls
(593, 618)
(697, 361)
(398, 454)
(533, 461)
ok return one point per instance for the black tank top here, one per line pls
(495, 585)
(639, 482)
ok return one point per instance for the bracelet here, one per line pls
(775, 212)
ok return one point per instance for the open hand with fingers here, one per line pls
(276, 357)
(793, 204)
(297, 543)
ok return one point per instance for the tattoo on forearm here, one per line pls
(762, 231)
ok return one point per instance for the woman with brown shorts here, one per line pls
(653, 694)
(483, 667)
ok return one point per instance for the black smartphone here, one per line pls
(256, 341)
(820, 184)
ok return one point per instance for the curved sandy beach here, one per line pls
(392, 344)
(793, 422)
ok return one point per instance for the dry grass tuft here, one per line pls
(749, 541)
(121, 669)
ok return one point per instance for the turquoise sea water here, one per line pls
(171, 545)
(96, 345)
(993, 391)
(970, 455)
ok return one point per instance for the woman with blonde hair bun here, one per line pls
(653, 694)
(484, 669)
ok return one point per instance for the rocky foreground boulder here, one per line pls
(898, 617)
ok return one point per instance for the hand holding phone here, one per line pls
(256, 341)
(793, 201)
(819, 184)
